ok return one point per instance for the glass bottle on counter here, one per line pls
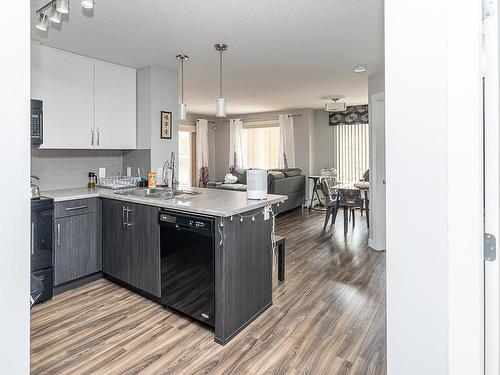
(91, 184)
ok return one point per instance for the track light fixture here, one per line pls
(62, 6)
(43, 22)
(54, 16)
(57, 9)
(87, 4)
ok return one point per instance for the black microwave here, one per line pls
(36, 122)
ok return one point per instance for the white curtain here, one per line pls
(287, 149)
(201, 152)
(236, 145)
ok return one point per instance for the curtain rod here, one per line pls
(210, 122)
(263, 118)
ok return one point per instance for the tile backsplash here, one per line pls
(62, 169)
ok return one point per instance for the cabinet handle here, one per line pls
(91, 136)
(128, 211)
(32, 238)
(75, 208)
(58, 242)
(98, 136)
(124, 223)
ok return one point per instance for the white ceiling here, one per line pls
(282, 54)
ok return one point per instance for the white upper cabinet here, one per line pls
(115, 106)
(65, 84)
(87, 104)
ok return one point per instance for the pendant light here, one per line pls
(43, 22)
(182, 105)
(62, 6)
(54, 16)
(221, 102)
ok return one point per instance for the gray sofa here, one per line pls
(290, 182)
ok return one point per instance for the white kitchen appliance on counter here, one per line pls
(257, 184)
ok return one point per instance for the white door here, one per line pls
(115, 106)
(65, 84)
(492, 190)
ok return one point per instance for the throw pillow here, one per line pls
(230, 179)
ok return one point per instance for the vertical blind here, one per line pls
(351, 152)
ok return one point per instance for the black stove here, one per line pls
(41, 249)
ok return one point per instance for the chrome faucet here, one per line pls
(169, 173)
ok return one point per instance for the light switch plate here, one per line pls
(102, 172)
(129, 172)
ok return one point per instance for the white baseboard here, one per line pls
(374, 246)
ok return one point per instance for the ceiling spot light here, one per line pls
(43, 22)
(62, 6)
(54, 16)
(182, 105)
(360, 68)
(87, 4)
(221, 102)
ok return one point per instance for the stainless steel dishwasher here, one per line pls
(187, 264)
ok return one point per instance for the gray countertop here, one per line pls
(212, 202)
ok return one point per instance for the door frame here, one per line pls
(491, 97)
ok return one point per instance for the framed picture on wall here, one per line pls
(166, 125)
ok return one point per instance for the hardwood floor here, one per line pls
(328, 317)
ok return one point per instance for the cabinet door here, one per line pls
(114, 239)
(144, 232)
(65, 84)
(76, 250)
(115, 106)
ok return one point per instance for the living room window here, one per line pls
(261, 143)
(351, 155)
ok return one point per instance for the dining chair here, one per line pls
(349, 201)
(331, 198)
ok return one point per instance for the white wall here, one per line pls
(15, 202)
(157, 90)
(322, 150)
(434, 229)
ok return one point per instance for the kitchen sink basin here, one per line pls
(158, 193)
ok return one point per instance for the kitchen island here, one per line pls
(242, 246)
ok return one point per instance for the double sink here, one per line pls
(156, 193)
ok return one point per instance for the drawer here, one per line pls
(75, 207)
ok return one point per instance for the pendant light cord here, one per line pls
(182, 81)
(220, 87)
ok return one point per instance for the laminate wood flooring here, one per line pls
(328, 317)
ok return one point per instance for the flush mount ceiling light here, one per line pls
(87, 4)
(62, 6)
(43, 22)
(360, 68)
(182, 105)
(221, 102)
(54, 16)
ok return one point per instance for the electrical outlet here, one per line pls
(129, 172)
(102, 172)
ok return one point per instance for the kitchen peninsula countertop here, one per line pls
(212, 202)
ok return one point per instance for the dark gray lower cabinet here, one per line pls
(77, 252)
(131, 244)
